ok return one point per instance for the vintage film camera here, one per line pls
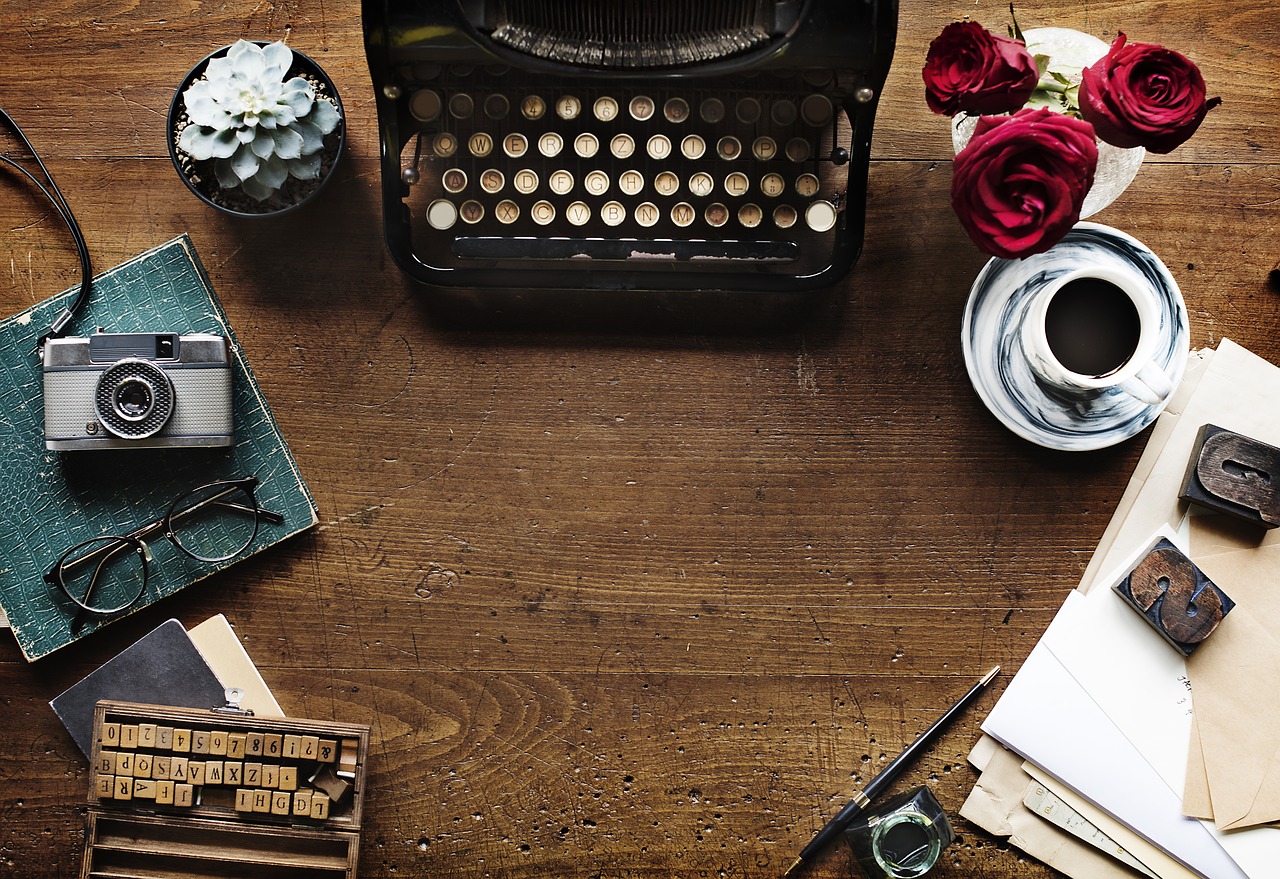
(137, 391)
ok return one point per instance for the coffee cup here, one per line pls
(1096, 329)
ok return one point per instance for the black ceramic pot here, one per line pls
(293, 194)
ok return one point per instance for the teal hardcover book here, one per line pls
(51, 501)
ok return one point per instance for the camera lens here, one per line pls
(134, 398)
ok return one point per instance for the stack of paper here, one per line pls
(1100, 715)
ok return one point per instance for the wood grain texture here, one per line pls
(616, 604)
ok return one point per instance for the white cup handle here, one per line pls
(1150, 385)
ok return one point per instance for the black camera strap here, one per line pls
(54, 195)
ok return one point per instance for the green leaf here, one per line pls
(1015, 31)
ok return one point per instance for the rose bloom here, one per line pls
(1144, 95)
(1020, 183)
(970, 69)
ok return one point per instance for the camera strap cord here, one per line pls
(54, 195)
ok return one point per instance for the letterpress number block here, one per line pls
(1234, 474)
(1175, 597)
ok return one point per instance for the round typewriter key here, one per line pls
(561, 182)
(568, 107)
(737, 184)
(586, 145)
(425, 105)
(693, 147)
(533, 107)
(797, 149)
(701, 184)
(807, 185)
(666, 183)
(622, 146)
(441, 214)
(507, 211)
(817, 76)
(772, 185)
(816, 110)
(480, 144)
(578, 213)
(596, 182)
(543, 212)
(659, 147)
(683, 214)
(497, 106)
(747, 111)
(764, 148)
(605, 109)
(712, 111)
(631, 182)
(820, 216)
(783, 112)
(550, 144)
(676, 110)
(641, 108)
(784, 216)
(515, 145)
(423, 70)
(716, 215)
(647, 214)
(461, 106)
(613, 213)
(492, 181)
(750, 215)
(525, 181)
(444, 145)
(454, 180)
(728, 148)
(471, 211)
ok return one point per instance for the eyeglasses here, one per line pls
(212, 523)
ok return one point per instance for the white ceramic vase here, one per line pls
(1071, 51)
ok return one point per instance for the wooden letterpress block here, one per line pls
(235, 746)
(146, 735)
(181, 741)
(162, 768)
(271, 776)
(124, 788)
(288, 778)
(280, 802)
(292, 747)
(111, 735)
(105, 785)
(348, 756)
(144, 789)
(184, 795)
(310, 747)
(218, 743)
(271, 743)
(244, 800)
(213, 772)
(328, 750)
(164, 793)
(1175, 597)
(1233, 474)
(262, 800)
(106, 762)
(129, 735)
(142, 766)
(319, 806)
(124, 764)
(178, 769)
(164, 738)
(253, 775)
(195, 772)
(253, 744)
(200, 741)
(233, 773)
(333, 786)
(302, 803)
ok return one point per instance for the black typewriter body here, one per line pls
(540, 145)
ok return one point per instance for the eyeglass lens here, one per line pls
(215, 523)
(111, 580)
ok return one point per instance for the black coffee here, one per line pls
(1092, 326)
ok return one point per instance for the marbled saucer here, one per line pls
(1040, 413)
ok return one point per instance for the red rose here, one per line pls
(1019, 184)
(970, 69)
(1144, 95)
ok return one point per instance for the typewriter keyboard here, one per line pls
(504, 171)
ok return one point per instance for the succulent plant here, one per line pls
(258, 128)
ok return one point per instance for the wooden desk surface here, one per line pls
(616, 605)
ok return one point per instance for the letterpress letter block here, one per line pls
(1175, 597)
(1234, 474)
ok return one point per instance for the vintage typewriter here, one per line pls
(627, 145)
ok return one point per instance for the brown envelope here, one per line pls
(1231, 674)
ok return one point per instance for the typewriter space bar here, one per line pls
(625, 249)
